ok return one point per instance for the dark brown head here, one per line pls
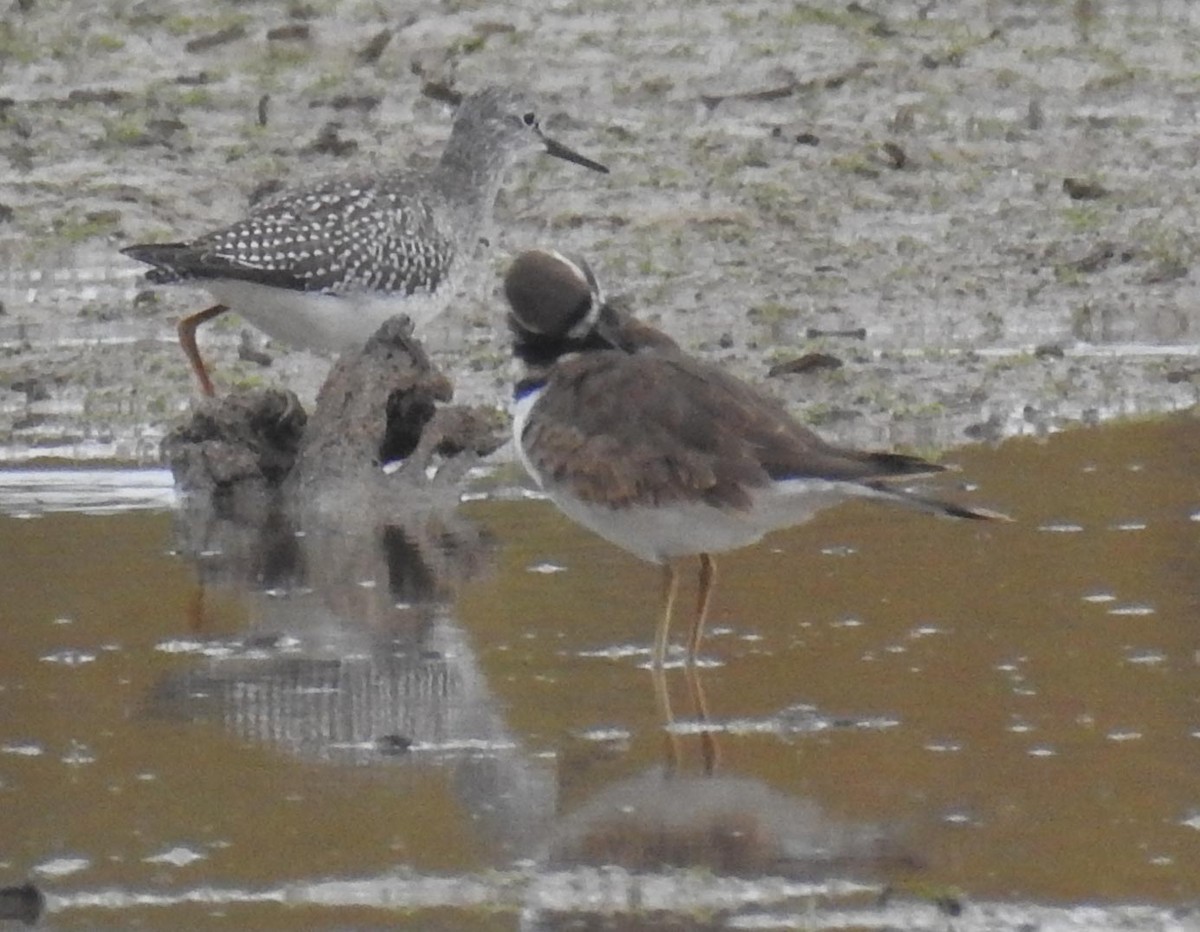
(551, 296)
(558, 308)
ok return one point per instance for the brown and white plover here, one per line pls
(662, 454)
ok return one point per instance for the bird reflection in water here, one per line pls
(354, 656)
(738, 826)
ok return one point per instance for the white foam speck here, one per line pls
(179, 856)
(62, 867)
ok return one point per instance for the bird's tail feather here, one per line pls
(938, 506)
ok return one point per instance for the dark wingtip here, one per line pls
(976, 514)
(901, 466)
(886, 485)
(164, 257)
(152, 253)
(904, 466)
(941, 507)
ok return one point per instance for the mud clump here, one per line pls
(238, 449)
(24, 904)
(382, 404)
(372, 409)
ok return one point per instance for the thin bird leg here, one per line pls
(187, 339)
(710, 752)
(708, 579)
(670, 588)
(663, 695)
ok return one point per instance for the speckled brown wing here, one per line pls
(347, 234)
(661, 428)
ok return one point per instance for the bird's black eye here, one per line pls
(529, 119)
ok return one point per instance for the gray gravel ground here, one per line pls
(998, 195)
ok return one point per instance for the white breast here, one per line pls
(520, 414)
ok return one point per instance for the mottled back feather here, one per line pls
(658, 427)
(357, 233)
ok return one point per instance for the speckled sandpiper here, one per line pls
(660, 453)
(322, 265)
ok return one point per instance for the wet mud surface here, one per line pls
(985, 211)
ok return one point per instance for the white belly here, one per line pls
(323, 323)
(661, 533)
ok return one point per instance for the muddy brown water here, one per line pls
(452, 725)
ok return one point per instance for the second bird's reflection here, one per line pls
(688, 814)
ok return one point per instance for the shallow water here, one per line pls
(451, 725)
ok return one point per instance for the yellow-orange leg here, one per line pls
(708, 579)
(187, 339)
(670, 588)
(708, 741)
(663, 695)
(709, 751)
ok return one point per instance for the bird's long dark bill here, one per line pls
(559, 151)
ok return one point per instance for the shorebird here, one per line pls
(322, 265)
(663, 454)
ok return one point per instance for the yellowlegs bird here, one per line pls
(322, 265)
(660, 453)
